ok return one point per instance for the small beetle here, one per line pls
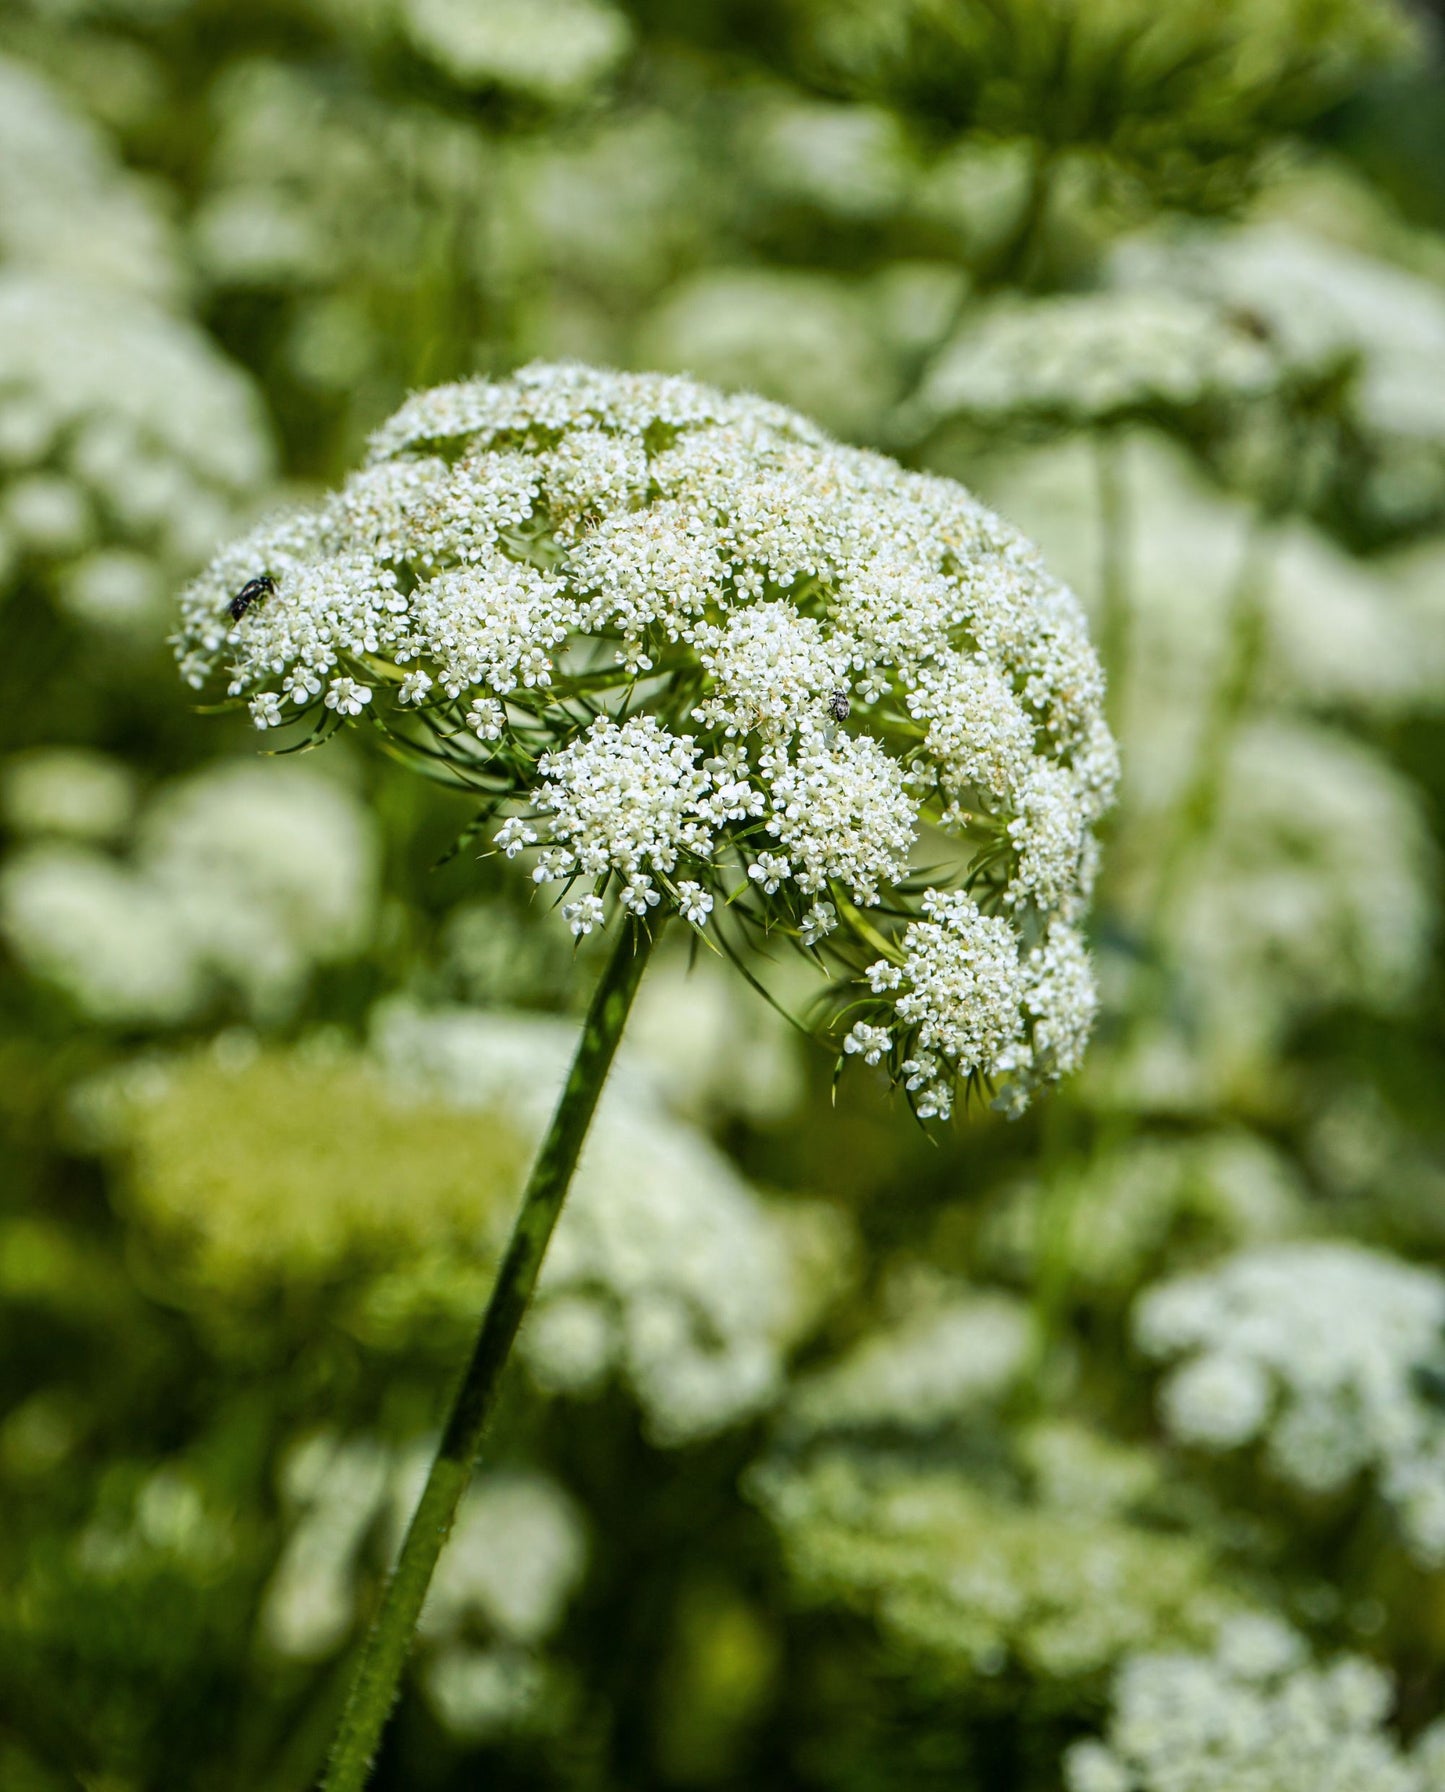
(838, 706)
(251, 593)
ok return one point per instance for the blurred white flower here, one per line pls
(665, 1263)
(971, 1580)
(941, 1365)
(1144, 1203)
(120, 422)
(1092, 359)
(71, 791)
(1314, 889)
(243, 878)
(102, 933)
(339, 1487)
(851, 162)
(1253, 1714)
(1312, 1350)
(515, 1555)
(712, 1046)
(1321, 302)
(554, 50)
(512, 1562)
(67, 206)
(802, 338)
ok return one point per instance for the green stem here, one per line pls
(388, 1642)
(1198, 807)
(1015, 261)
(1114, 621)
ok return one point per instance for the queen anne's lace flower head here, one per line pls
(1096, 358)
(127, 445)
(553, 50)
(67, 206)
(1328, 311)
(700, 658)
(1325, 1353)
(1254, 1713)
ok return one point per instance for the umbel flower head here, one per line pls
(698, 657)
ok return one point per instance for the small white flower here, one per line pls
(486, 718)
(868, 1042)
(266, 710)
(584, 914)
(301, 684)
(734, 798)
(820, 920)
(694, 902)
(347, 697)
(638, 895)
(769, 870)
(414, 687)
(513, 835)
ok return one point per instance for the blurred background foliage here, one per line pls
(1106, 1449)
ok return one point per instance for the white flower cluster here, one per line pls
(666, 1267)
(1312, 1350)
(510, 1567)
(1254, 1716)
(696, 650)
(954, 1357)
(1133, 1205)
(965, 998)
(797, 336)
(555, 50)
(1325, 305)
(1094, 358)
(67, 208)
(243, 878)
(127, 445)
(627, 797)
(960, 990)
(974, 1580)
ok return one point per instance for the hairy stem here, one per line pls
(388, 1642)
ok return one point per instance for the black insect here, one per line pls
(251, 593)
(838, 706)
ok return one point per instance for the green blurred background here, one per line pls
(838, 1456)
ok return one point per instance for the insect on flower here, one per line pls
(838, 706)
(251, 593)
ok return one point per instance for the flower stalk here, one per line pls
(1114, 540)
(389, 1638)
